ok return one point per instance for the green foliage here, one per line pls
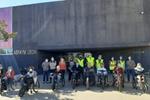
(4, 35)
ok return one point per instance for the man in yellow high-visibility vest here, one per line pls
(101, 71)
(90, 69)
(112, 65)
(80, 65)
(99, 62)
(121, 63)
(90, 61)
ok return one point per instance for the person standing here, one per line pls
(71, 68)
(99, 62)
(112, 65)
(90, 69)
(80, 65)
(10, 77)
(62, 67)
(90, 61)
(45, 66)
(52, 65)
(130, 68)
(1, 71)
(121, 63)
(101, 71)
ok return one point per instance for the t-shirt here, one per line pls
(62, 65)
(45, 66)
(52, 64)
(130, 64)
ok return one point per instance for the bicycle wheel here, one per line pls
(144, 88)
(22, 91)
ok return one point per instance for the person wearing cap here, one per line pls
(45, 66)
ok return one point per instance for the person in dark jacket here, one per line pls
(71, 68)
(1, 71)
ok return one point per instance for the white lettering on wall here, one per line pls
(24, 52)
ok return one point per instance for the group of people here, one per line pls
(8, 75)
(80, 63)
(52, 66)
(8, 78)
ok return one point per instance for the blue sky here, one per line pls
(12, 3)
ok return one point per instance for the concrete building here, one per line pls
(108, 27)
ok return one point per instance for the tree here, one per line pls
(4, 35)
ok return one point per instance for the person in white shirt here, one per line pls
(32, 73)
(138, 69)
(52, 64)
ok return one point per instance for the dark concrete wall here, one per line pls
(82, 24)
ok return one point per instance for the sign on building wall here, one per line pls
(6, 46)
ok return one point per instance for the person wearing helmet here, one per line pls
(45, 66)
